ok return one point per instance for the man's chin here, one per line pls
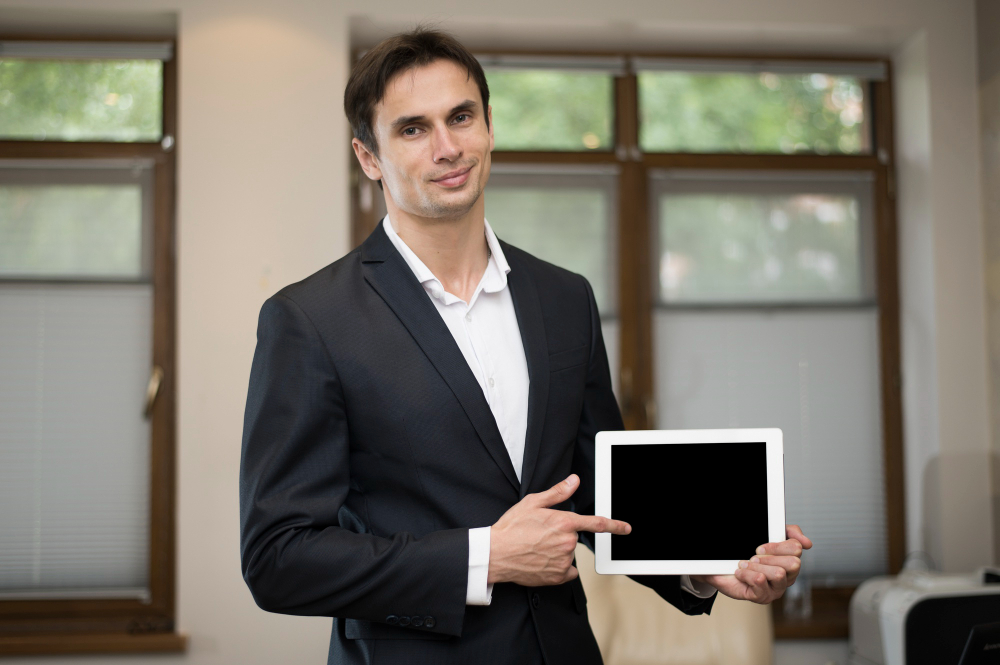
(453, 206)
(448, 213)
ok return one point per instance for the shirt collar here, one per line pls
(493, 280)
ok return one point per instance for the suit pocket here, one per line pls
(355, 629)
(561, 360)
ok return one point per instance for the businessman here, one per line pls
(418, 448)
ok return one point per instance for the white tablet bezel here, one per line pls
(772, 438)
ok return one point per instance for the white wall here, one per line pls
(263, 185)
(988, 24)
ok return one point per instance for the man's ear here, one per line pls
(368, 161)
(489, 115)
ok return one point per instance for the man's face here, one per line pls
(434, 142)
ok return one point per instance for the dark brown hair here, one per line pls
(372, 74)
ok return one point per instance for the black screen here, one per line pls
(689, 500)
(983, 645)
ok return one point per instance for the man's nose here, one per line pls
(446, 148)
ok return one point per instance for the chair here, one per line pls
(634, 626)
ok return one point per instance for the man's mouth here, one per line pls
(455, 178)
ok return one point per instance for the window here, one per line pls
(763, 238)
(548, 104)
(86, 347)
(736, 219)
(745, 107)
(80, 100)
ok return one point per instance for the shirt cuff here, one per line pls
(696, 589)
(479, 592)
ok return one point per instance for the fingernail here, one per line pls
(755, 560)
(743, 564)
(628, 528)
(760, 550)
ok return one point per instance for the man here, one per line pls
(418, 446)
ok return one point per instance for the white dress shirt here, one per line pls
(486, 331)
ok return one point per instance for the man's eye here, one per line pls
(410, 131)
(461, 117)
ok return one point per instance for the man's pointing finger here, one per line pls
(597, 524)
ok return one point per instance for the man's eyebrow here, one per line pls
(406, 120)
(467, 105)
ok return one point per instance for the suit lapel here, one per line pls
(386, 271)
(536, 352)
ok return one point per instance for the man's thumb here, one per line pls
(559, 492)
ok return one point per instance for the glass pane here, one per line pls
(71, 231)
(731, 245)
(562, 219)
(92, 100)
(737, 112)
(551, 110)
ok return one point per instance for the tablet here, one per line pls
(698, 501)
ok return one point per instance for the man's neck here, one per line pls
(454, 250)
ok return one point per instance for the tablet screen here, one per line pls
(689, 501)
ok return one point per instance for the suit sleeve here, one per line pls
(601, 413)
(301, 552)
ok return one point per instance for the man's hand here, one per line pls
(764, 577)
(533, 545)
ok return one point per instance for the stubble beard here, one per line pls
(432, 204)
(450, 210)
(439, 207)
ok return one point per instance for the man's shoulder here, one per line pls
(327, 285)
(340, 283)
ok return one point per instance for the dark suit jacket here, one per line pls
(369, 451)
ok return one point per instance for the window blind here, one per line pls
(868, 71)
(612, 65)
(814, 374)
(74, 446)
(68, 50)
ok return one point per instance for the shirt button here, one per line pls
(535, 600)
(417, 621)
(392, 619)
(492, 382)
(468, 317)
(429, 622)
(404, 621)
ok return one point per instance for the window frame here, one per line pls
(121, 625)
(636, 300)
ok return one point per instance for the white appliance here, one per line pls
(920, 617)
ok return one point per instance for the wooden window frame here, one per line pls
(121, 625)
(636, 301)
